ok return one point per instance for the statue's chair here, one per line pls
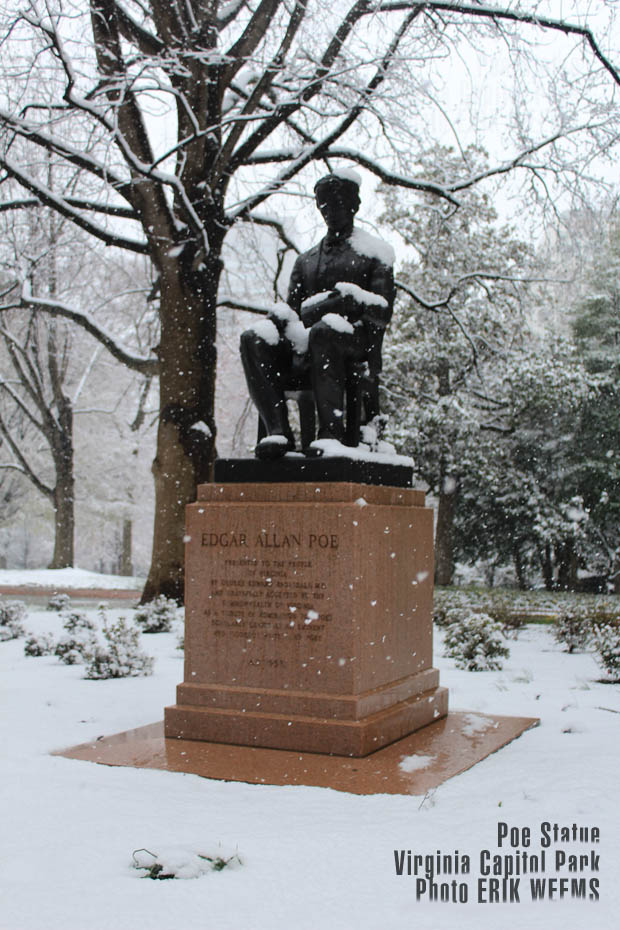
(361, 405)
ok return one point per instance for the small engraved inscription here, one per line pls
(275, 599)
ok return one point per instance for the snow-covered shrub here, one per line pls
(607, 645)
(121, 657)
(58, 602)
(79, 643)
(157, 616)
(11, 615)
(181, 863)
(442, 614)
(39, 645)
(77, 623)
(572, 629)
(474, 641)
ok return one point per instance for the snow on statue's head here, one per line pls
(343, 185)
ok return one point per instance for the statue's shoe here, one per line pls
(326, 445)
(273, 447)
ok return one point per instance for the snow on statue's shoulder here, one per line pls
(367, 244)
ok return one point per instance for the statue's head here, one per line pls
(338, 198)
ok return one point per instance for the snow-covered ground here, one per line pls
(66, 578)
(311, 858)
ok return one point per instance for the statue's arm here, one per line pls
(382, 284)
(296, 288)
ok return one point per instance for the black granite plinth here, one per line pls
(300, 468)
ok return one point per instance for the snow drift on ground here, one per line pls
(66, 578)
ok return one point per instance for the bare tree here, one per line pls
(37, 354)
(251, 92)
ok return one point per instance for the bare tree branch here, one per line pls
(260, 220)
(148, 43)
(147, 366)
(263, 85)
(33, 132)
(23, 465)
(516, 16)
(105, 209)
(241, 50)
(233, 303)
(229, 11)
(50, 199)
(321, 147)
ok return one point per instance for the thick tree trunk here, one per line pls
(444, 536)
(186, 433)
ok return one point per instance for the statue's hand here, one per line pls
(360, 304)
(314, 308)
(281, 315)
(350, 309)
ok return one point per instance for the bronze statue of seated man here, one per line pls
(340, 299)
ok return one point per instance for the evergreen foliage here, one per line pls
(157, 616)
(572, 629)
(474, 641)
(37, 646)
(58, 602)
(121, 656)
(11, 615)
(118, 656)
(607, 647)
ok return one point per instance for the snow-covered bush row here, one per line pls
(158, 615)
(579, 621)
(117, 656)
(510, 606)
(474, 641)
(11, 615)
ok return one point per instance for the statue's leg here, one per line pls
(331, 351)
(266, 368)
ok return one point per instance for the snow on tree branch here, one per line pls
(148, 43)
(33, 132)
(496, 14)
(22, 462)
(228, 11)
(252, 35)
(105, 209)
(260, 220)
(51, 199)
(146, 366)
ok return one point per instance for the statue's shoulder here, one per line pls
(306, 261)
(311, 253)
(364, 243)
